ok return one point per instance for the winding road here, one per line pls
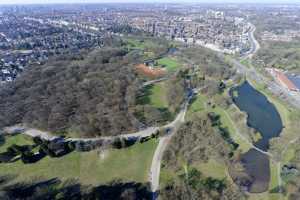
(254, 43)
(250, 72)
(162, 145)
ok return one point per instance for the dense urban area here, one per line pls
(150, 101)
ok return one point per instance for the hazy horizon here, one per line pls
(7, 2)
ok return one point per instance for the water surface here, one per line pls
(264, 118)
(262, 114)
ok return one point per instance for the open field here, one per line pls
(130, 164)
(170, 63)
(274, 175)
(18, 139)
(210, 169)
(213, 169)
(229, 124)
(137, 44)
(155, 95)
(158, 97)
(197, 105)
(246, 62)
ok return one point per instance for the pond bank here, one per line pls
(264, 118)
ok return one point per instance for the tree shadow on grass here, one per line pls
(71, 189)
(144, 97)
(2, 140)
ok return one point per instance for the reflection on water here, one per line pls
(263, 117)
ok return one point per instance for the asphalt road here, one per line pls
(254, 43)
(163, 143)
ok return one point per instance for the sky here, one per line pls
(143, 1)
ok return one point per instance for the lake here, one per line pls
(264, 118)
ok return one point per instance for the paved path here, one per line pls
(30, 132)
(143, 133)
(155, 81)
(47, 136)
(162, 145)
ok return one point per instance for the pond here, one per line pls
(264, 118)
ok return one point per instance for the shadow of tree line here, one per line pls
(55, 189)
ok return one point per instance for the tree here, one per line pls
(27, 157)
(37, 140)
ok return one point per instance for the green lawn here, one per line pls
(246, 62)
(155, 95)
(210, 169)
(229, 124)
(213, 169)
(18, 139)
(130, 164)
(141, 44)
(199, 104)
(158, 96)
(134, 43)
(274, 175)
(170, 63)
(289, 155)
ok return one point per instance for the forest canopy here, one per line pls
(94, 96)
